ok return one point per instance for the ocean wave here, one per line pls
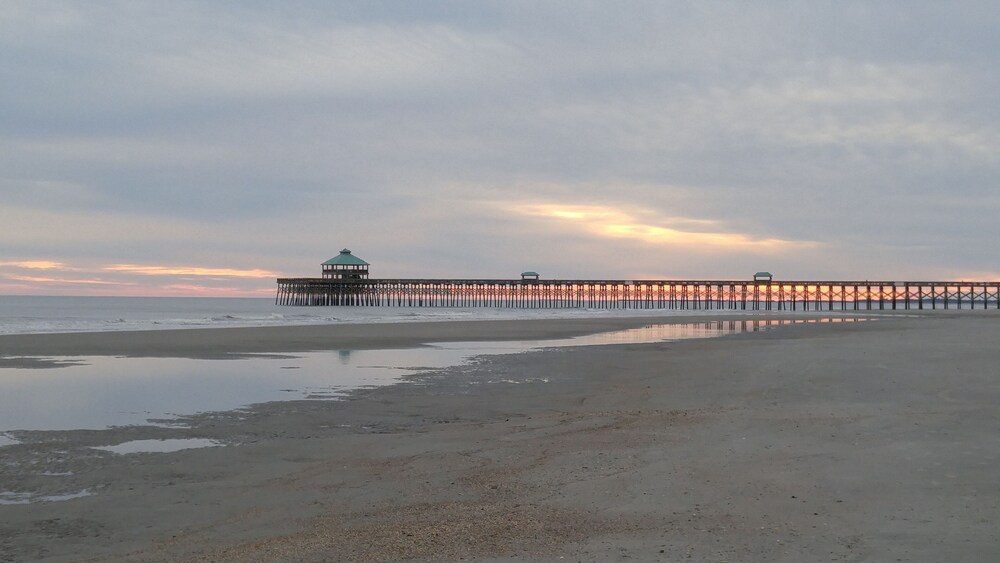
(24, 315)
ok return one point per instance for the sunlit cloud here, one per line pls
(612, 222)
(36, 265)
(189, 271)
(44, 280)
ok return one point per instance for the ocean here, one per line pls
(42, 314)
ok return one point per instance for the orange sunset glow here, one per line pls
(189, 271)
(36, 265)
(611, 222)
(132, 280)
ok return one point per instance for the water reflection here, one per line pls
(708, 329)
(650, 333)
(111, 391)
(97, 392)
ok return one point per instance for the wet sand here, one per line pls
(874, 441)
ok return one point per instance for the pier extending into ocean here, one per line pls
(731, 295)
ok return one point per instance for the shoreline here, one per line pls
(231, 342)
(819, 441)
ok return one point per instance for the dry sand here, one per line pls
(840, 442)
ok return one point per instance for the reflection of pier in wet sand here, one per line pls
(642, 294)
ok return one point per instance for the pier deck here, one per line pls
(733, 295)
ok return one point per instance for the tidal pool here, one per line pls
(160, 446)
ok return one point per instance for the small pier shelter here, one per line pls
(345, 267)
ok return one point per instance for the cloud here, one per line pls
(785, 104)
(189, 271)
(196, 55)
(235, 140)
(614, 222)
(45, 280)
(36, 265)
(95, 278)
(907, 131)
(121, 152)
(339, 60)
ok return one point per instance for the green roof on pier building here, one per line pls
(345, 258)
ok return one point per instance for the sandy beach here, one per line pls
(870, 441)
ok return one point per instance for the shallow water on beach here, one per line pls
(103, 391)
(97, 392)
(160, 446)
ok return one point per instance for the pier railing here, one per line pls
(642, 294)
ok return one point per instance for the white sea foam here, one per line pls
(9, 497)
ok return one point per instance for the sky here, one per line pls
(206, 148)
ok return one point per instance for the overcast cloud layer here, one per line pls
(206, 148)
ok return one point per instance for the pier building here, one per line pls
(345, 267)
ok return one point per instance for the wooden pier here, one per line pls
(733, 295)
